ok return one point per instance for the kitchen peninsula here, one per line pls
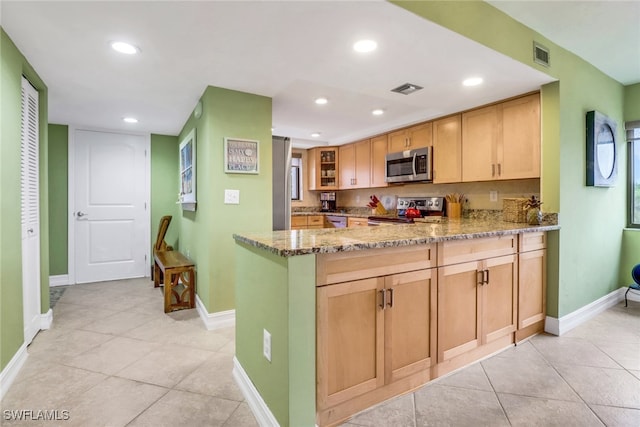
(332, 321)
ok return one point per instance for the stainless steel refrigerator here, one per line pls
(281, 167)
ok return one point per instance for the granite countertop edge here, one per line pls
(269, 241)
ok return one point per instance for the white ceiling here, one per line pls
(292, 52)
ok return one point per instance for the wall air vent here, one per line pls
(407, 88)
(540, 54)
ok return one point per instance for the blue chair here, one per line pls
(635, 274)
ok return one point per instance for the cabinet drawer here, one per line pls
(357, 222)
(532, 241)
(457, 251)
(315, 221)
(299, 221)
(345, 266)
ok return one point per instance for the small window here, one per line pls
(296, 177)
(633, 136)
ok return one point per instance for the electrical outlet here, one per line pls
(266, 344)
(493, 196)
(188, 254)
(232, 197)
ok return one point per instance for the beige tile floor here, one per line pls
(113, 358)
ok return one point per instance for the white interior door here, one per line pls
(30, 211)
(110, 215)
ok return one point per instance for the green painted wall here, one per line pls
(12, 66)
(275, 293)
(58, 202)
(164, 186)
(588, 246)
(206, 234)
(630, 238)
(632, 102)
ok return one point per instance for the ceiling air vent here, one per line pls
(407, 88)
(540, 54)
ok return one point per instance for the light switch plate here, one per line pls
(232, 197)
(493, 196)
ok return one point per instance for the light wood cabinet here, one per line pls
(373, 332)
(411, 138)
(315, 221)
(350, 342)
(300, 222)
(502, 141)
(355, 165)
(353, 221)
(477, 294)
(532, 273)
(379, 146)
(323, 168)
(447, 150)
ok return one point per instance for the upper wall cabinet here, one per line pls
(411, 138)
(355, 165)
(502, 141)
(323, 168)
(378, 161)
(447, 150)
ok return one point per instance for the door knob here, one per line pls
(80, 214)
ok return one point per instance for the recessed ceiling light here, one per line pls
(473, 81)
(364, 46)
(315, 134)
(125, 48)
(377, 112)
(130, 120)
(321, 101)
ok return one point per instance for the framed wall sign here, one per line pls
(602, 153)
(241, 156)
(187, 195)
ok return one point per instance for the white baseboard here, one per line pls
(60, 280)
(260, 410)
(46, 320)
(10, 372)
(219, 320)
(564, 324)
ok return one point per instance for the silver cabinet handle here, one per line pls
(493, 169)
(486, 280)
(384, 298)
(499, 169)
(390, 304)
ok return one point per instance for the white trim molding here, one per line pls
(260, 410)
(567, 322)
(59, 280)
(212, 321)
(46, 319)
(10, 372)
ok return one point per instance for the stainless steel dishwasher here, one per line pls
(337, 221)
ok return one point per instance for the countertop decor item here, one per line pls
(513, 209)
(534, 214)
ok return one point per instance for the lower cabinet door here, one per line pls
(499, 298)
(459, 298)
(410, 323)
(350, 340)
(531, 288)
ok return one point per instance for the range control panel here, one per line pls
(426, 205)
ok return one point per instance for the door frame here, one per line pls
(71, 233)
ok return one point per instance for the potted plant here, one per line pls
(534, 214)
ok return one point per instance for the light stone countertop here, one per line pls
(329, 240)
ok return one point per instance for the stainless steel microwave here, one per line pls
(409, 166)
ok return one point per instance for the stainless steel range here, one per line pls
(428, 206)
(425, 206)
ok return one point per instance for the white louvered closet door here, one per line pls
(29, 178)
